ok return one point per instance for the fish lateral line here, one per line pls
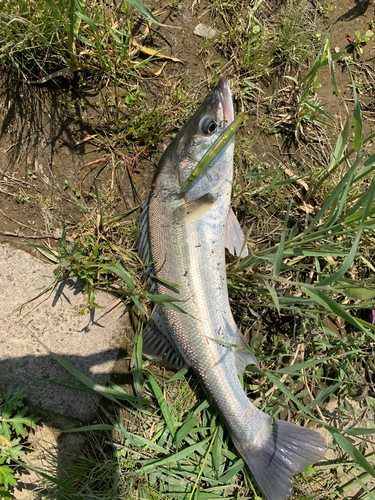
(215, 149)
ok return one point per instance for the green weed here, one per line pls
(262, 45)
(14, 424)
(42, 37)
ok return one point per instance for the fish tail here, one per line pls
(288, 450)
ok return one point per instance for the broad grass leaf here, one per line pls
(352, 451)
(179, 375)
(324, 394)
(146, 13)
(122, 274)
(357, 431)
(312, 362)
(166, 301)
(162, 404)
(359, 293)
(346, 264)
(280, 249)
(94, 427)
(286, 391)
(136, 440)
(357, 116)
(73, 370)
(351, 255)
(232, 471)
(366, 169)
(189, 424)
(216, 451)
(334, 308)
(334, 196)
(181, 455)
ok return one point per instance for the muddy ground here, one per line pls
(50, 156)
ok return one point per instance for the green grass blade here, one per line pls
(146, 13)
(53, 480)
(286, 391)
(352, 451)
(232, 471)
(351, 255)
(357, 116)
(181, 455)
(80, 376)
(94, 427)
(334, 196)
(280, 248)
(335, 309)
(359, 432)
(334, 83)
(366, 169)
(323, 395)
(189, 424)
(312, 362)
(162, 404)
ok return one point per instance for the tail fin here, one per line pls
(288, 450)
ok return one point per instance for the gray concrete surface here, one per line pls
(88, 341)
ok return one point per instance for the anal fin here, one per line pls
(158, 345)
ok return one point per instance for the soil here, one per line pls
(46, 134)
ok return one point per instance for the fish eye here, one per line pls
(207, 125)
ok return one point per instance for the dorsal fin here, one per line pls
(142, 243)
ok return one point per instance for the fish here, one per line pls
(183, 236)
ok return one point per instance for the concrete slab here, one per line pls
(88, 341)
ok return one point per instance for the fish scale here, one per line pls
(186, 234)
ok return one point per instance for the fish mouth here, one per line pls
(227, 100)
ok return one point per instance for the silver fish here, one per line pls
(185, 236)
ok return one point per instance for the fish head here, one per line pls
(192, 142)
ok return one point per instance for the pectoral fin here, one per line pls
(234, 237)
(157, 344)
(193, 210)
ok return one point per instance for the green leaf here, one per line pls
(146, 13)
(73, 370)
(187, 452)
(121, 273)
(6, 476)
(334, 308)
(286, 391)
(324, 394)
(189, 424)
(359, 432)
(357, 116)
(352, 451)
(232, 471)
(162, 404)
(312, 362)
(280, 248)
(359, 293)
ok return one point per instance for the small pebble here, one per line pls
(204, 31)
